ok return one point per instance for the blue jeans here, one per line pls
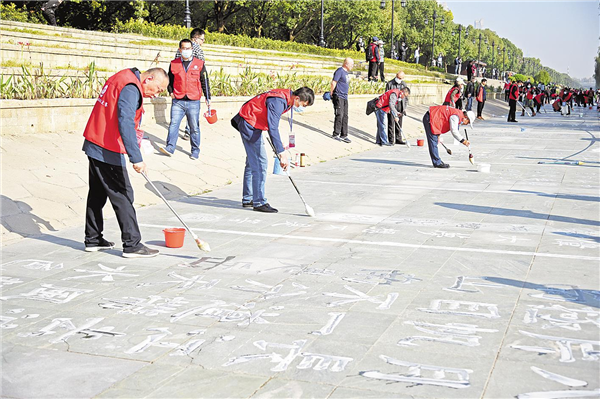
(255, 172)
(469, 103)
(191, 110)
(382, 137)
(432, 141)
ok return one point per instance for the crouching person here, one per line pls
(388, 102)
(442, 119)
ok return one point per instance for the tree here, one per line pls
(597, 69)
(543, 77)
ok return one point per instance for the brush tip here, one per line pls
(203, 245)
(310, 212)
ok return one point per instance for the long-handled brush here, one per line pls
(404, 138)
(309, 211)
(524, 109)
(203, 245)
(448, 150)
(471, 158)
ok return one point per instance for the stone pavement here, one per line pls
(44, 180)
(409, 282)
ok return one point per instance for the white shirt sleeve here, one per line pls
(454, 127)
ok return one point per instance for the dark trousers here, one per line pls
(394, 128)
(111, 182)
(506, 96)
(373, 70)
(381, 72)
(50, 16)
(480, 107)
(340, 124)
(537, 106)
(432, 141)
(512, 110)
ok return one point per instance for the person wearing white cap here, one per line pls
(381, 53)
(441, 119)
(455, 93)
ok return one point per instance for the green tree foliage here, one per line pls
(597, 69)
(543, 77)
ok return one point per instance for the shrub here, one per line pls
(10, 12)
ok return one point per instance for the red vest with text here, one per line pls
(384, 100)
(513, 93)
(187, 83)
(254, 111)
(103, 126)
(453, 95)
(439, 118)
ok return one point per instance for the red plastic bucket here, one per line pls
(420, 142)
(174, 237)
(211, 116)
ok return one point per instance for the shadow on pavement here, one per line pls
(561, 196)
(577, 235)
(516, 212)
(568, 293)
(387, 161)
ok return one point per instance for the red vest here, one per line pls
(479, 96)
(187, 83)
(373, 49)
(529, 94)
(384, 100)
(513, 92)
(538, 98)
(439, 118)
(506, 86)
(452, 98)
(568, 97)
(103, 126)
(254, 111)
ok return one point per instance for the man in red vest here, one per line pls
(188, 79)
(441, 119)
(111, 132)
(373, 57)
(513, 96)
(258, 114)
(389, 102)
(481, 97)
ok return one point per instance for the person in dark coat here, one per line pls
(49, 9)
(480, 97)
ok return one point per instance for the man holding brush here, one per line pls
(111, 132)
(258, 114)
(442, 119)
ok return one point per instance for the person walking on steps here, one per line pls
(481, 97)
(260, 113)
(441, 119)
(49, 9)
(339, 97)
(187, 83)
(111, 132)
(373, 58)
(394, 128)
(454, 94)
(513, 96)
(388, 102)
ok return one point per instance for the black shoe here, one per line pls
(442, 166)
(345, 140)
(266, 208)
(401, 142)
(248, 204)
(101, 246)
(512, 121)
(388, 144)
(143, 252)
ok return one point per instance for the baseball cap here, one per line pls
(471, 116)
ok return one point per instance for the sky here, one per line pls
(564, 35)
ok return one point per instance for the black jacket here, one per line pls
(392, 84)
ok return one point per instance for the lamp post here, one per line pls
(504, 60)
(479, 55)
(187, 18)
(493, 52)
(433, 38)
(321, 38)
(382, 6)
(460, 28)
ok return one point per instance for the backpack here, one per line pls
(371, 106)
(369, 53)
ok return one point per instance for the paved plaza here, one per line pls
(410, 282)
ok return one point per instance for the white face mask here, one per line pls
(398, 80)
(187, 54)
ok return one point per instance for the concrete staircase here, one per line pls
(67, 52)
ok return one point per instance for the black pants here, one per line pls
(512, 110)
(506, 96)
(480, 107)
(111, 182)
(373, 70)
(340, 124)
(394, 127)
(537, 105)
(381, 72)
(49, 14)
